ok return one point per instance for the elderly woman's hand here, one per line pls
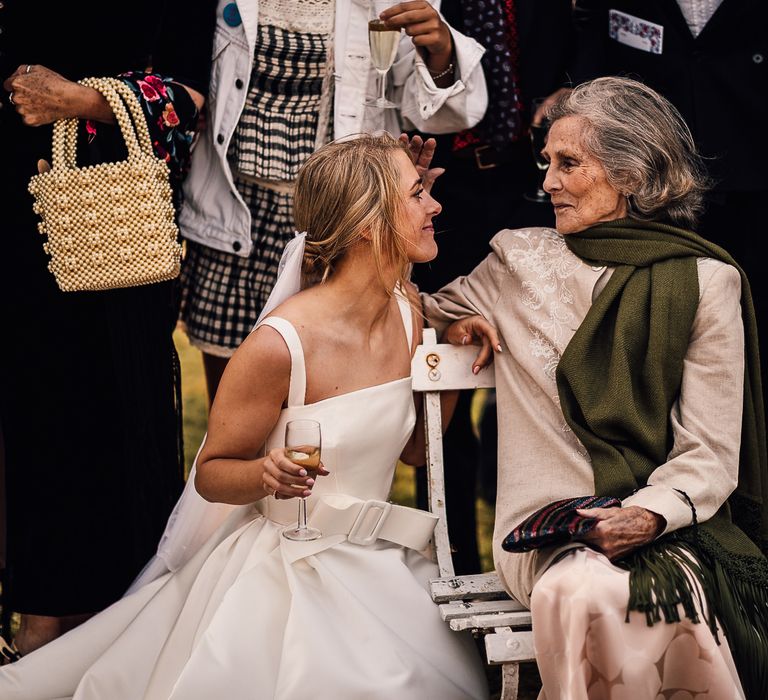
(622, 530)
(42, 96)
(283, 478)
(478, 331)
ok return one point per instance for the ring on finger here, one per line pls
(10, 98)
(29, 68)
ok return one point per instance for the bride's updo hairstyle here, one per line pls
(348, 192)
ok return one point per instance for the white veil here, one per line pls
(194, 519)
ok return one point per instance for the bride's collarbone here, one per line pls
(346, 366)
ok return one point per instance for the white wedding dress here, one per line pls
(253, 615)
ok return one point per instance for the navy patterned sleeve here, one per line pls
(171, 118)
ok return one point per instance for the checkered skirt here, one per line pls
(223, 293)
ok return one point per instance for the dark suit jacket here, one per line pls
(718, 81)
(545, 43)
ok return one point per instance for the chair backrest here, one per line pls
(435, 368)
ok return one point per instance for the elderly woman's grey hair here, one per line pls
(644, 145)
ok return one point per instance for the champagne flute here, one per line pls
(383, 42)
(302, 446)
(538, 141)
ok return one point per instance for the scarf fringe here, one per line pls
(673, 574)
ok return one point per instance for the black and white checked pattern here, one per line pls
(223, 293)
(278, 126)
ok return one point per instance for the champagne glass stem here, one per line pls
(382, 86)
(302, 524)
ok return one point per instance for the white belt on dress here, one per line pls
(363, 522)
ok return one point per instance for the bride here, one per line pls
(249, 613)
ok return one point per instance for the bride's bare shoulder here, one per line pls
(265, 348)
(308, 309)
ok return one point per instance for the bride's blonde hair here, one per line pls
(347, 189)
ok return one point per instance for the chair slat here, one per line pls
(505, 646)
(492, 620)
(476, 587)
(443, 367)
(449, 611)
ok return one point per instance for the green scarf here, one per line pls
(618, 379)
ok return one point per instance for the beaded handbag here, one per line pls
(109, 225)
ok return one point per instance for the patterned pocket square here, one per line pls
(556, 523)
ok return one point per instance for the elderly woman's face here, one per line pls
(576, 181)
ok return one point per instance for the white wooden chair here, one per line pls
(477, 602)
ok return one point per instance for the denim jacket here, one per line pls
(213, 212)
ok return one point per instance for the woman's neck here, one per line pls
(359, 292)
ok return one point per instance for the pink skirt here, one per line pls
(586, 651)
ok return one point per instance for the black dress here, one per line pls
(89, 381)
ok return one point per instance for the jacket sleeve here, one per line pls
(706, 421)
(590, 19)
(171, 119)
(430, 109)
(474, 294)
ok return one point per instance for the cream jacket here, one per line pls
(537, 293)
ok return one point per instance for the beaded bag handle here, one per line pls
(133, 128)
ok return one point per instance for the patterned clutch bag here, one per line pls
(556, 523)
(108, 225)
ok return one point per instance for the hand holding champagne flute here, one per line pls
(302, 446)
(383, 41)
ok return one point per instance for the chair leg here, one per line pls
(510, 679)
(5, 613)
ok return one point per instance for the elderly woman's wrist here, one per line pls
(657, 522)
(87, 103)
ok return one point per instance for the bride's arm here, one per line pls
(247, 406)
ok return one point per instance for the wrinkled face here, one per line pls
(576, 181)
(420, 209)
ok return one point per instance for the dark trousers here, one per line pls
(477, 203)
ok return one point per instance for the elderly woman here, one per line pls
(628, 369)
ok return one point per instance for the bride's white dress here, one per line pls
(253, 615)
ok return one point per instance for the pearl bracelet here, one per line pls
(442, 73)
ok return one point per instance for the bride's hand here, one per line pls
(282, 478)
(477, 331)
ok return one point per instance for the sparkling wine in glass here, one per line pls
(538, 141)
(383, 42)
(302, 446)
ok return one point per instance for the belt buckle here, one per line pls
(354, 535)
(479, 160)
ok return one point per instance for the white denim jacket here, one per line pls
(213, 212)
